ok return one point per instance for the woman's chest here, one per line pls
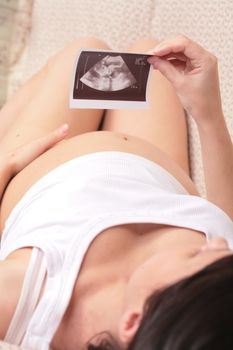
(130, 244)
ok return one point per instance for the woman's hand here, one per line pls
(19, 158)
(13, 162)
(193, 72)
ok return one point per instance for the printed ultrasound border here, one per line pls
(108, 103)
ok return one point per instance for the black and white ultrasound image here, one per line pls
(102, 75)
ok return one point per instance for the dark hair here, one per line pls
(195, 313)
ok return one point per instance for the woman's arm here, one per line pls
(193, 72)
(13, 162)
(217, 155)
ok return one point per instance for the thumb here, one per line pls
(166, 68)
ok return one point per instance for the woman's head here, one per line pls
(195, 313)
(169, 264)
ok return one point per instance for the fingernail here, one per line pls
(63, 129)
(149, 60)
(150, 52)
(157, 49)
(153, 59)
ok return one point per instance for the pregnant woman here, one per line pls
(106, 242)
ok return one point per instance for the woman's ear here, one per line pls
(129, 325)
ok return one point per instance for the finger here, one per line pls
(166, 68)
(46, 142)
(179, 56)
(180, 44)
(181, 66)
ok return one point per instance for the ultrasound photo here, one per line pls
(108, 79)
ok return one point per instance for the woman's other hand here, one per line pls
(19, 158)
(193, 71)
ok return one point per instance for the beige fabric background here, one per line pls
(15, 19)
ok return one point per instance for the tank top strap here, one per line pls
(29, 296)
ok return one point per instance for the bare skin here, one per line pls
(158, 134)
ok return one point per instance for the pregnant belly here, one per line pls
(80, 145)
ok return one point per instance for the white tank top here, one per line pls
(67, 208)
